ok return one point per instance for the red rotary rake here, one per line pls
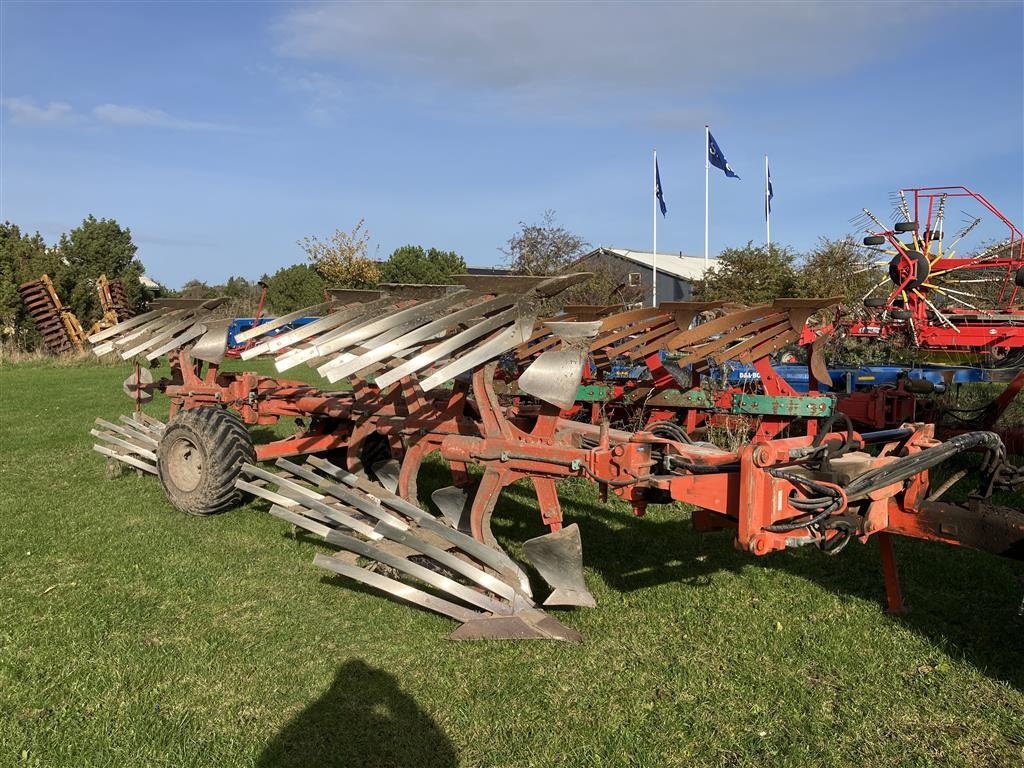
(936, 299)
(423, 362)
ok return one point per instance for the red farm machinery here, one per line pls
(503, 384)
(933, 297)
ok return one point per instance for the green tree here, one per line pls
(837, 268)
(23, 257)
(411, 264)
(341, 260)
(97, 247)
(293, 288)
(754, 274)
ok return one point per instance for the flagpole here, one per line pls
(767, 208)
(707, 169)
(654, 260)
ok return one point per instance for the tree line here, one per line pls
(748, 274)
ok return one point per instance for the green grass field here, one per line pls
(133, 635)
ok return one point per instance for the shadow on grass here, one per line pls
(363, 719)
(965, 602)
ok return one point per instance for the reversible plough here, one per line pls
(470, 373)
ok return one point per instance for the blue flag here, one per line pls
(717, 158)
(657, 189)
(768, 192)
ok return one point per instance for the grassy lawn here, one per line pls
(133, 635)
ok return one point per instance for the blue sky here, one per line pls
(223, 133)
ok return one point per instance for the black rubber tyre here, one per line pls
(874, 240)
(1018, 278)
(905, 226)
(933, 234)
(199, 458)
(923, 270)
(874, 303)
(901, 314)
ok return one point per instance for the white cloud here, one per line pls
(117, 114)
(26, 111)
(671, 47)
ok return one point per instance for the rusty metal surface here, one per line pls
(58, 326)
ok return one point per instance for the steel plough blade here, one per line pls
(392, 545)
(556, 373)
(453, 504)
(558, 558)
(214, 342)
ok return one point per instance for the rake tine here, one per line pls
(448, 560)
(400, 534)
(178, 341)
(288, 338)
(141, 427)
(414, 314)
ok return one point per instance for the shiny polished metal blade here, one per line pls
(397, 589)
(453, 503)
(556, 374)
(522, 625)
(214, 343)
(193, 332)
(558, 558)
(127, 325)
(377, 352)
(303, 332)
(498, 559)
(428, 576)
(446, 347)
(386, 473)
(494, 347)
(273, 323)
(427, 310)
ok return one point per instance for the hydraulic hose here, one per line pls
(908, 466)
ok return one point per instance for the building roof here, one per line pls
(685, 267)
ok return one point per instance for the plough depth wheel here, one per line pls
(199, 457)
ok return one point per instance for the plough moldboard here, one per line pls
(426, 365)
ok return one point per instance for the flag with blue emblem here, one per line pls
(657, 190)
(717, 158)
(768, 195)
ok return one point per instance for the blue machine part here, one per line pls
(242, 324)
(851, 378)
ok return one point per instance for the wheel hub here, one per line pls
(185, 464)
